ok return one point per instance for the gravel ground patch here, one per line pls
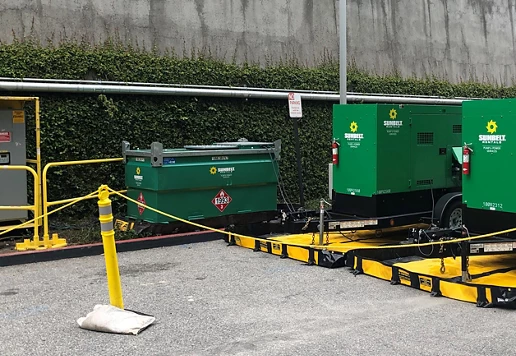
(210, 299)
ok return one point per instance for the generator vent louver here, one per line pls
(425, 138)
(425, 182)
(457, 128)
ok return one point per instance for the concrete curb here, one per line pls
(25, 257)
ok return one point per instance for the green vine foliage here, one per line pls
(77, 126)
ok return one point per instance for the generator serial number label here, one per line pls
(492, 206)
(383, 191)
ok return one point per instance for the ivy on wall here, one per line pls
(76, 127)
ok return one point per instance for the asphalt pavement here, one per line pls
(210, 299)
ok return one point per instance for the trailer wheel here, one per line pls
(452, 217)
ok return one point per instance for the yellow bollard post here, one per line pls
(108, 240)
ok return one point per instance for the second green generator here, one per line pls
(395, 161)
(208, 183)
(489, 192)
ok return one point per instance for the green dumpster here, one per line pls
(201, 182)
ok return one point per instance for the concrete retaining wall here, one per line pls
(454, 39)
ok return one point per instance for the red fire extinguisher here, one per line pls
(335, 152)
(465, 159)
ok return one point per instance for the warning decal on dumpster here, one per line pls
(141, 199)
(221, 200)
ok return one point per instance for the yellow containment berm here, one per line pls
(491, 283)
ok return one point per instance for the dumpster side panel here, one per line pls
(200, 187)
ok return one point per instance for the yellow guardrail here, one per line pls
(47, 203)
(41, 203)
(36, 206)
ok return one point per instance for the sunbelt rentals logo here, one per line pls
(492, 138)
(393, 123)
(224, 172)
(353, 135)
(138, 176)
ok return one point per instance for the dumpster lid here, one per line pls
(157, 153)
(245, 143)
(211, 147)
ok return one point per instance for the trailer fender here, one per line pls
(443, 203)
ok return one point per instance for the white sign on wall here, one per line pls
(294, 105)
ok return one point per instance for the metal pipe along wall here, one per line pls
(167, 85)
(44, 87)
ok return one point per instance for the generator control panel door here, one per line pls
(433, 136)
(13, 152)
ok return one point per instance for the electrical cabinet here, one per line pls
(13, 151)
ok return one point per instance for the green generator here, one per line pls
(396, 163)
(218, 184)
(489, 194)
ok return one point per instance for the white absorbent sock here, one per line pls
(110, 319)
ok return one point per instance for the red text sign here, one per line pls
(141, 199)
(5, 137)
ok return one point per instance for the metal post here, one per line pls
(330, 180)
(343, 52)
(464, 256)
(38, 157)
(299, 169)
(108, 240)
(321, 223)
(43, 178)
